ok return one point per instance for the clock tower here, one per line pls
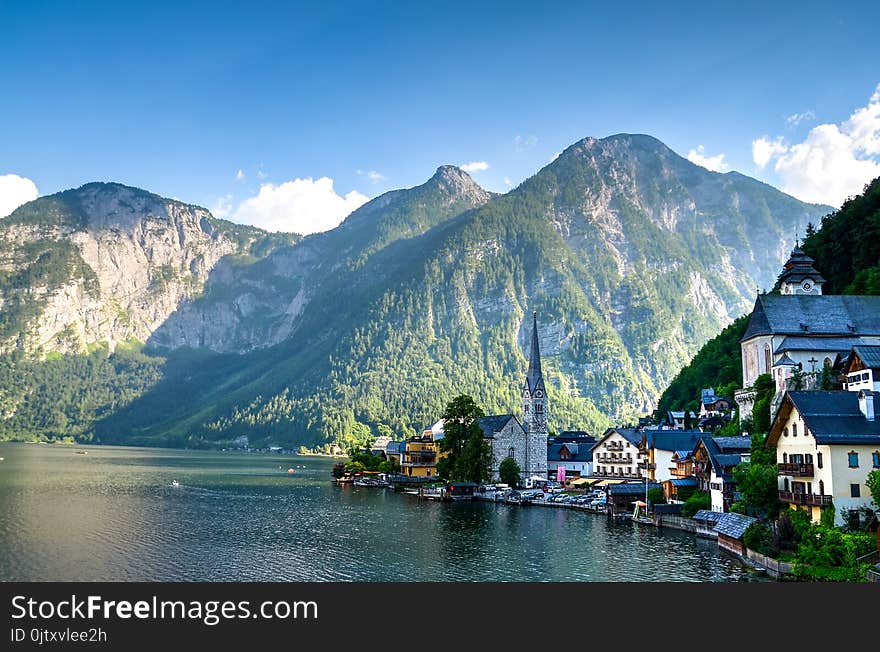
(799, 276)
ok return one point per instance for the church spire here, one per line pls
(534, 375)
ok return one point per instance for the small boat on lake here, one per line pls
(175, 483)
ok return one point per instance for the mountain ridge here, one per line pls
(632, 255)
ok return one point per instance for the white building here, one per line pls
(826, 444)
(617, 454)
(802, 329)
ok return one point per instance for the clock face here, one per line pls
(539, 394)
(807, 285)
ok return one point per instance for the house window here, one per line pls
(785, 458)
(853, 459)
(794, 430)
(819, 460)
(821, 487)
(855, 491)
(875, 459)
(785, 431)
(808, 458)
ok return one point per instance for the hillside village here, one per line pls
(810, 369)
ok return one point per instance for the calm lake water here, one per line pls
(112, 515)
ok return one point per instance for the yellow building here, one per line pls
(419, 459)
(826, 444)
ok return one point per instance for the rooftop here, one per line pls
(795, 314)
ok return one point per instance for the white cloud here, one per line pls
(223, 206)
(834, 162)
(15, 191)
(715, 163)
(523, 143)
(796, 118)
(508, 182)
(301, 206)
(764, 149)
(239, 176)
(372, 175)
(475, 166)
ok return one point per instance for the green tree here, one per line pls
(695, 502)
(873, 483)
(475, 462)
(656, 496)
(468, 456)
(765, 389)
(509, 471)
(758, 485)
(688, 421)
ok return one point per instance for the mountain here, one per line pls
(632, 256)
(107, 263)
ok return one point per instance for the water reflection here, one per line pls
(112, 515)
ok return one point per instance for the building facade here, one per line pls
(618, 454)
(826, 444)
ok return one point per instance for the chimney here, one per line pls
(866, 404)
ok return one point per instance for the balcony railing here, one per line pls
(607, 459)
(614, 446)
(804, 499)
(795, 469)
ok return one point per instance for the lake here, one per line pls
(113, 515)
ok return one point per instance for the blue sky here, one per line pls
(179, 97)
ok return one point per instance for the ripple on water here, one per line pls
(112, 515)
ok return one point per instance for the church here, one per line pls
(802, 328)
(524, 440)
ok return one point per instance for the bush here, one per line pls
(656, 496)
(759, 537)
(697, 501)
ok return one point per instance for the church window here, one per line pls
(526, 407)
(767, 358)
(539, 408)
(510, 452)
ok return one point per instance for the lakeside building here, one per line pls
(617, 454)
(570, 460)
(525, 441)
(826, 444)
(713, 461)
(658, 448)
(802, 329)
(420, 454)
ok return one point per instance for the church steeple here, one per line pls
(534, 375)
(534, 392)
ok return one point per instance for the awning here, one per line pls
(605, 483)
(577, 482)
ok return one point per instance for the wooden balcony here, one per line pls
(814, 500)
(795, 469)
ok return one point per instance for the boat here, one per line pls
(175, 483)
(82, 452)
